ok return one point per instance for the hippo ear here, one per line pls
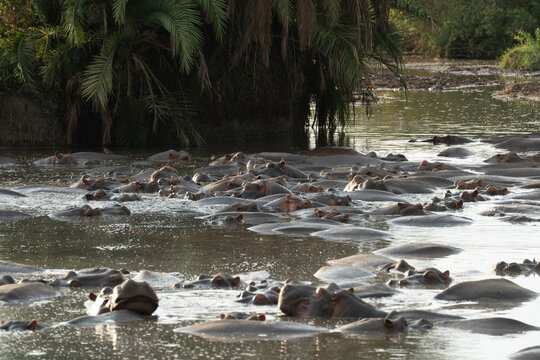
(446, 275)
(288, 197)
(401, 205)
(33, 325)
(351, 290)
(388, 323)
(92, 296)
(261, 317)
(236, 280)
(282, 163)
(239, 217)
(57, 155)
(222, 316)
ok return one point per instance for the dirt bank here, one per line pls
(529, 91)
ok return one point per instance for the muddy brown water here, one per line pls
(162, 236)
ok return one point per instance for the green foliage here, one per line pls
(525, 55)
(466, 29)
(139, 66)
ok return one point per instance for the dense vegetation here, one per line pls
(524, 56)
(467, 29)
(136, 69)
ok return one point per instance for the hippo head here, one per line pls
(100, 303)
(396, 324)
(20, 325)
(134, 296)
(344, 304)
(306, 301)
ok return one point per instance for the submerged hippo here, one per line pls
(257, 330)
(491, 326)
(25, 292)
(170, 155)
(384, 325)
(303, 301)
(526, 267)
(215, 281)
(100, 278)
(487, 290)
(32, 325)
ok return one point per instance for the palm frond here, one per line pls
(25, 55)
(181, 20)
(284, 10)
(119, 11)
(99, 75)
(216, 13)
(263, 22)
(307, 18)
(74, 21)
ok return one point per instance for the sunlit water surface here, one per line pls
(164, 235)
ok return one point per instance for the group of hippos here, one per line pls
(328, 193)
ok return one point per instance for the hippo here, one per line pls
(57, 159)
(400, 209)
(135, 296)
(374, 195)
(530, 353)
(170, 155)
(437, 204)
(117, 316)
(243, 316)
(87, 211)
(487, 290)
(304, 301)
(25, 292)
(32, 325)
(421, 250)
(138, 187)
(342, 274)
(527, 267)
(434, 166)
(12, 215)
(529, 142)
(351, 233)
(98, 279)
(378, 325)
(6, 279)
(7, 192)
(449, 140)
(11, 267)
(262, 188)
(491, 326)
(432, 220)
(456, 152)
(427, 277)
(215, 281)
(288, 203)
(165, 172)
(512, 157)
(239, 330)
(265, 293)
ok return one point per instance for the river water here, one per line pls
(164, 235)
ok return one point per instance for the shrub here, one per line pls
(525, 55)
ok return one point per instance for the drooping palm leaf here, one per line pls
(216, 13)
(73, 20)
(180, 19)
(99, 75)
